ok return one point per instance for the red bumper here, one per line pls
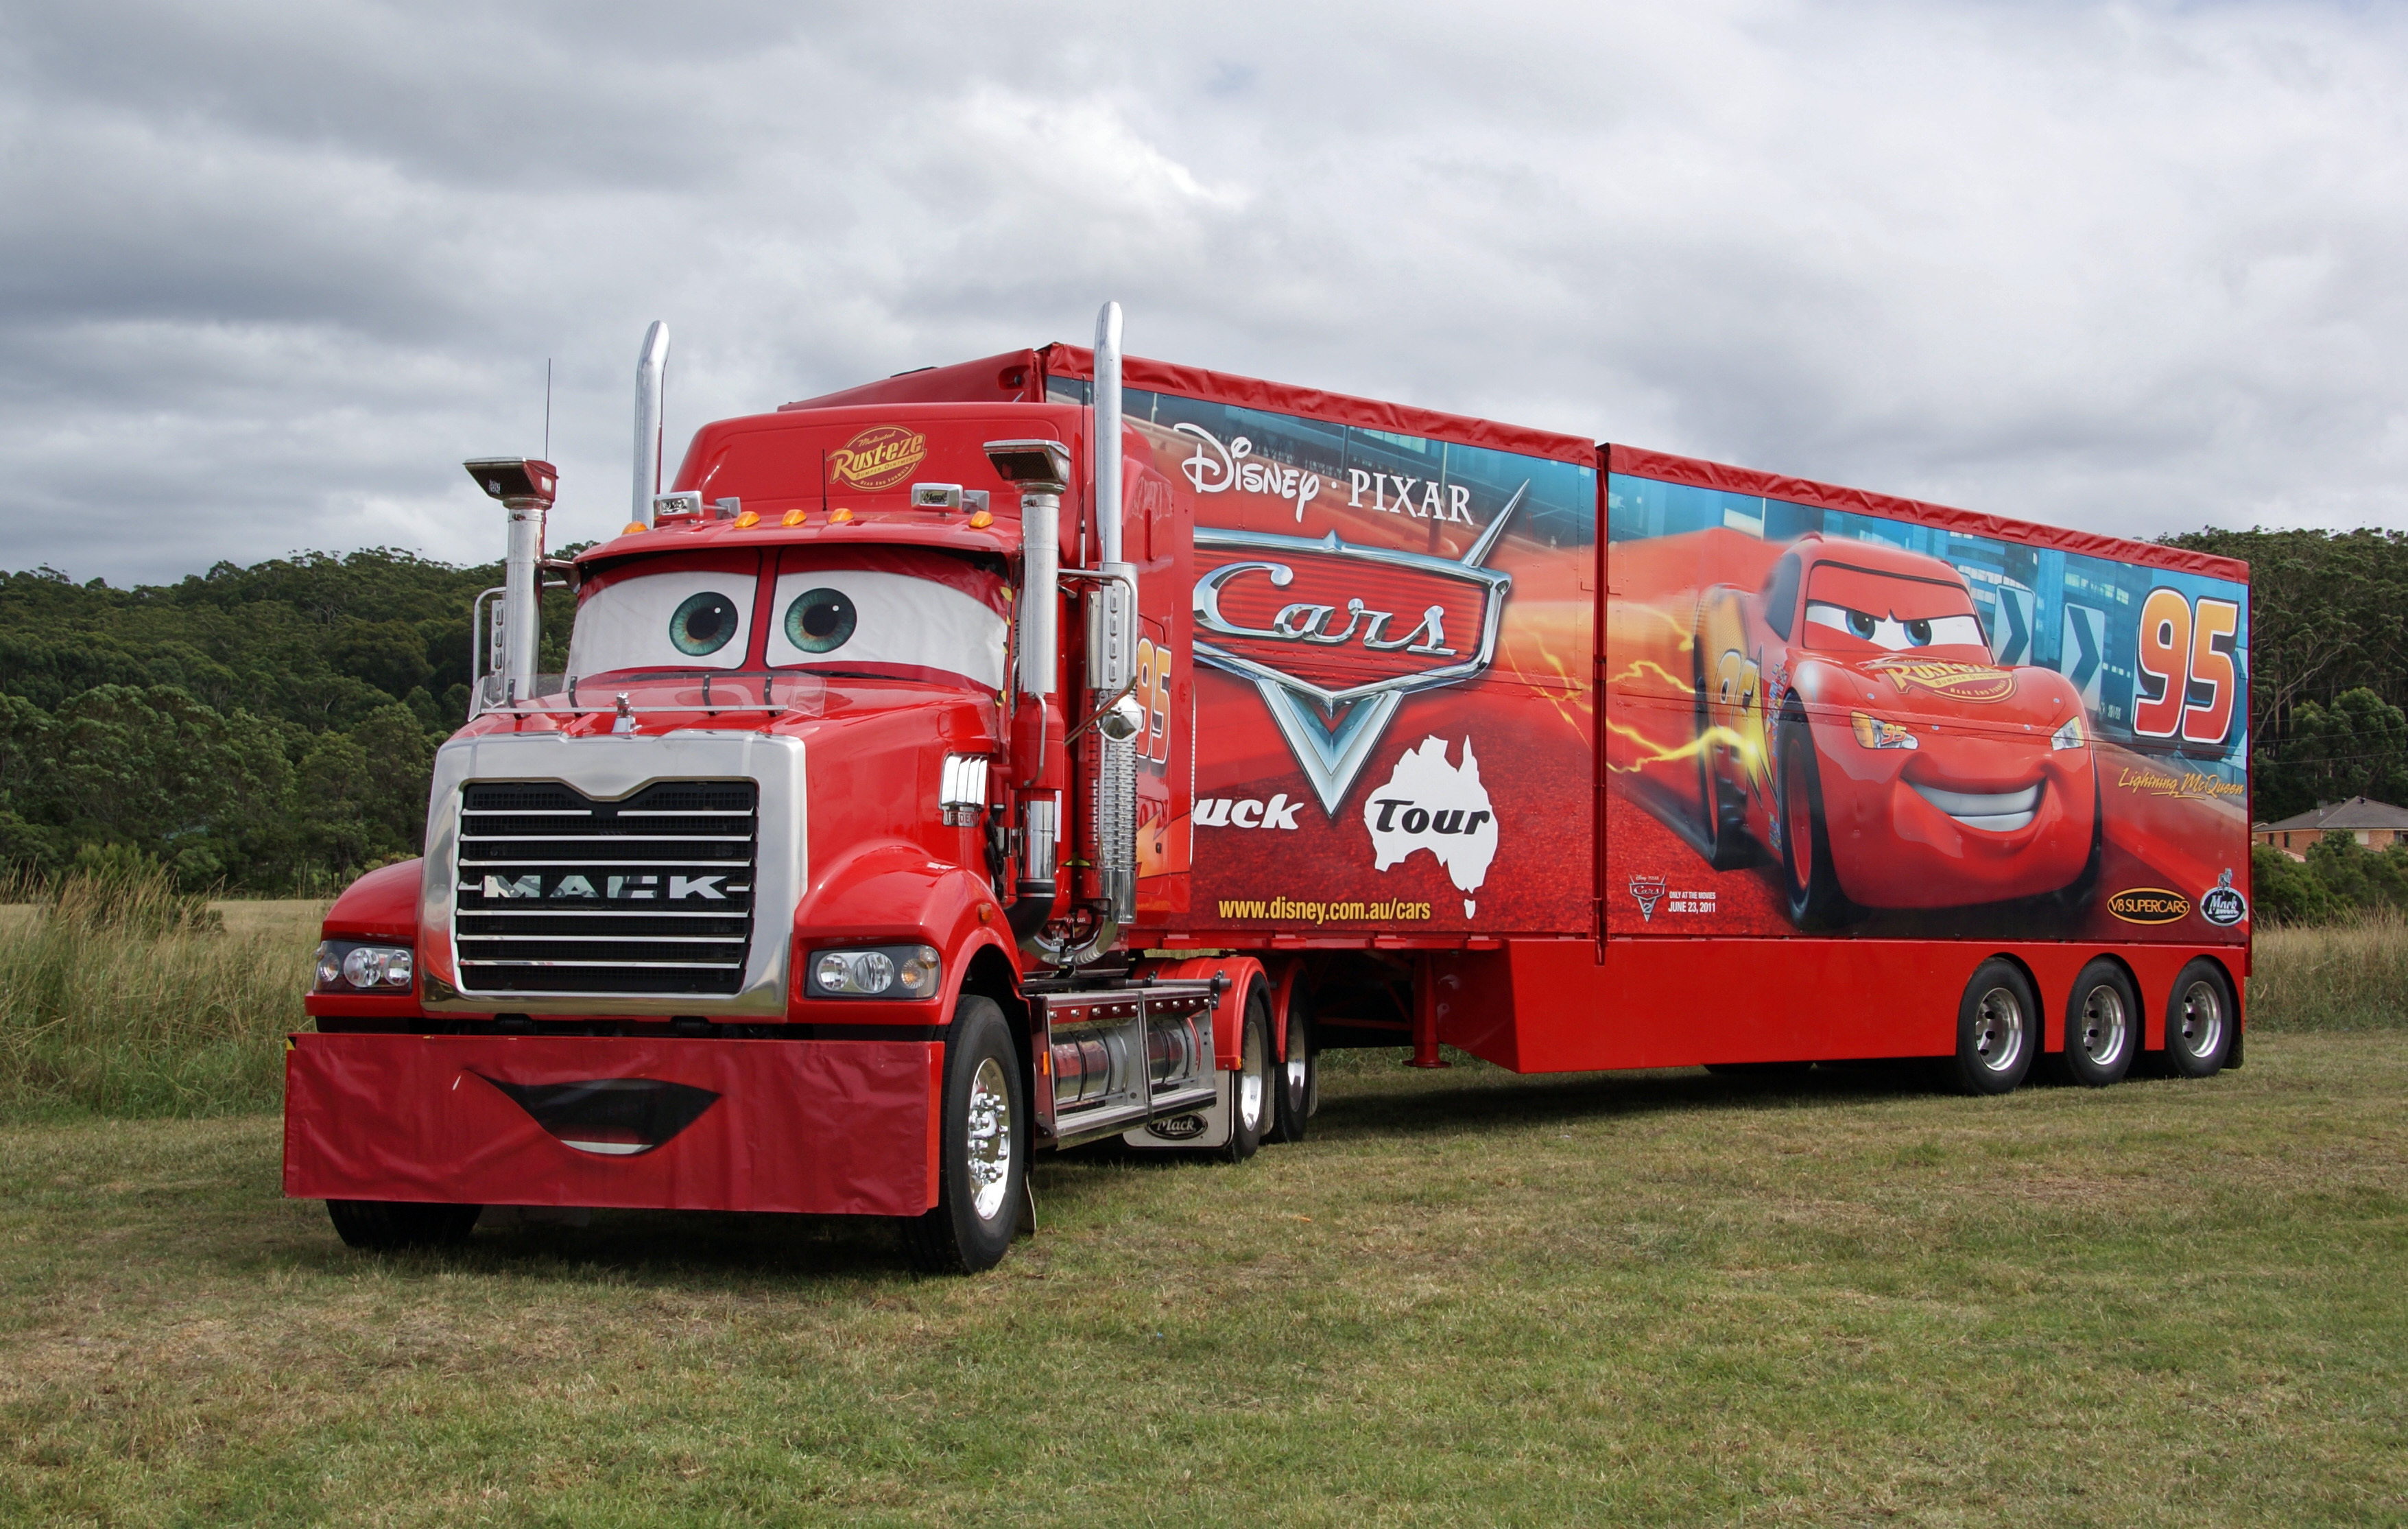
(823, 1127)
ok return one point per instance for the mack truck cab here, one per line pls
(814, 884)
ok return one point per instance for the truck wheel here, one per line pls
(2198, 1021)
(1812, 885)
(2102, 1017)
(1298, 1083)
(1251, 1087)
(983, 1148)
(382, 1225)
(1996, 1028)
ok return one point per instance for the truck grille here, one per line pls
(559, 893)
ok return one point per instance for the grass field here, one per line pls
(1471, 1298)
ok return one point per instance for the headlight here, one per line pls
(2068, 736)
(888, 971)
(1873, 732)
(363, 968)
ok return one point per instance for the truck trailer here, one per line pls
(1062, 746)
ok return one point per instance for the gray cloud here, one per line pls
(270, 272)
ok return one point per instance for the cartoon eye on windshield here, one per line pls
(1887, 631)
(819, 620)
(691, 618)
(851, 618)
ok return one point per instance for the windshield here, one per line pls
(1857, 610)
(894, 612)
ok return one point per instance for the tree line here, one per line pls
(266, 729)
(271, 729)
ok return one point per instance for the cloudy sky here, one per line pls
(269, 271)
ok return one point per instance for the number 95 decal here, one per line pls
(2184, 653)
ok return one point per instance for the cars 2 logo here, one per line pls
(879, 457)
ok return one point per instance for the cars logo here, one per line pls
(2149, 905)
(1646, 891)
(2222, 904)
(879, 457)
(1959, 681)
(1334, 635)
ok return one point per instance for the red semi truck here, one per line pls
(1058, 746)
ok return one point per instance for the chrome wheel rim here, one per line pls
(1999, 1031)
(2201, 1025)
(1250, 1080)
(989, 1138)
(2104, 1025)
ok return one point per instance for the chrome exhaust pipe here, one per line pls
(652, 379)
(1111, 646)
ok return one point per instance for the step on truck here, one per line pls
(1061, 747)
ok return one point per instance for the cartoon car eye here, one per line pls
(821, 620)
(862, 617)
(685, 618)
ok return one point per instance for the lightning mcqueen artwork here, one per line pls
(1851, 722)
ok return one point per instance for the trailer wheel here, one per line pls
(2102, 1019)
(982, 1145)
(1251, 1087)
(1812, 885)
(383, 1225)
(2198, 1021)
(1997, 1024)
(1298, 1080)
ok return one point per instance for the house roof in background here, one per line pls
(2356, 813)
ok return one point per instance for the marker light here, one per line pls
(794, 517)
(839, 515)
(981, 520)
(746, 521)
(634, 528)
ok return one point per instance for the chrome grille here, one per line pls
(558, 893)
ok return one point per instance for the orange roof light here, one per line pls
(839, 515)
(793, 517)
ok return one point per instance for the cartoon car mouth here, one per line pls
(611, 1117)
(1993, 812)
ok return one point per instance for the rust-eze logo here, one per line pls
(879, 457)
(2149, 905)
(1960, 682)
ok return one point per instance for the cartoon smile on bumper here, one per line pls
(1992, 812)
(611, 1117)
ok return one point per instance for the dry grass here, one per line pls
(1471, 1298)
(2350, 975)
(119, 996)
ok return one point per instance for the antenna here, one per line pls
(547, 409)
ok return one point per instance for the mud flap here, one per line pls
(1192, 1129)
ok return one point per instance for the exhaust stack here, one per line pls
(652, 379)
(525, 489)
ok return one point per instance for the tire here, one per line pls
(983, 1143)
(2102, 1026)
(386, 1225)
(2200, 1020)
(1998, 1030)
(1300, 1080)
(1250, 1090)
(1808, 879)
(1724, 824)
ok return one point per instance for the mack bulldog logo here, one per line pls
(1960, 682)
(1334, 635)
(2222, 904)
(879, 457)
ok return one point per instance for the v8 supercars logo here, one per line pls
(1334, 636)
